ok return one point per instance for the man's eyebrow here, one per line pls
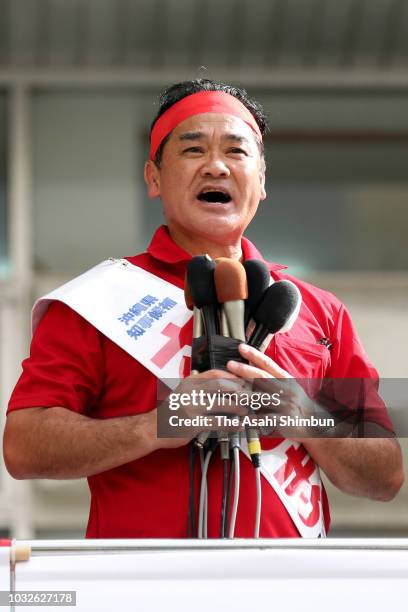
(200, 136)
(236, 138)
(191, 136)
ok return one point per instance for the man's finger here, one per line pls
(262, 361)
(247, 371)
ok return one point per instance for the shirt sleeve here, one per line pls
(354, 378)
(66, 365)
(348, 357)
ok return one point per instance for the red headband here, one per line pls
(197, 104)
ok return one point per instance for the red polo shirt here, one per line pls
(73, 365)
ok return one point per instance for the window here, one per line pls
(335, 206)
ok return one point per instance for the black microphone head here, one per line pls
(200, 279)
(280, 307)
(258, 279)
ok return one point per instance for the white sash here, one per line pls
(300, 493)
(147, 317)
(140, 312)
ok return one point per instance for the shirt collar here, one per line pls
(249, 251)
(163, 248)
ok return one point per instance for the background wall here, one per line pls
(3, 184)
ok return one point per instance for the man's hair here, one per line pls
(177, 92)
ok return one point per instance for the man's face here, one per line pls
(211, 178)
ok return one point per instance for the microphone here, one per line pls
(258, 279)
(197, 320)
(232, 289)
(277, 311)
(200, 279)
(202, 295)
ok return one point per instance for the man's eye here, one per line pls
(193, 150)
(237, 150)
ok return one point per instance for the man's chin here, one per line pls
(222, 230)
(219, 229)
(217, 208)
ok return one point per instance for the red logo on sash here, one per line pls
(178, 338)
(300, 473)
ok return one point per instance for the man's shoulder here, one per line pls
(65, 303)
(314, 297)
(140, 259)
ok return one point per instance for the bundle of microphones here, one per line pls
(236, 301)
(233, 303)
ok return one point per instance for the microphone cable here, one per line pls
(255, 451)
(258, 501)
(235, 446)
(191, 526)
(223, 441)
(205, 492)
(225, 482)
(229, 490)
(202, 514)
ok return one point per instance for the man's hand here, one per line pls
(266, 377)
(212, 382)
(368, 467)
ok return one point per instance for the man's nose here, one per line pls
(216, 166)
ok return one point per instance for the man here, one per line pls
(84, 407)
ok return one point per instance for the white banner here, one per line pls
(143, 314)
(4, 568)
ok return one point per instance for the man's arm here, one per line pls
(59, 443)
(368, 467)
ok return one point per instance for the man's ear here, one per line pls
(152, 179)
(262, 181)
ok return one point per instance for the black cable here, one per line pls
(191, 525)
(228, 503)
(224, 498)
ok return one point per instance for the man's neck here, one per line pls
(198, 245)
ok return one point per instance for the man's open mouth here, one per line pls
(214, 197)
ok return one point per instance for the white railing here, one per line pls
(224, 575)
